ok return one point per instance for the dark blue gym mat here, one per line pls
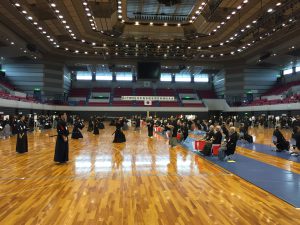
(279, 182)
(268, 150)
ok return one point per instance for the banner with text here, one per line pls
(149, 98)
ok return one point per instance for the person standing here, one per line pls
(62, 144)
(150, 126)
(96, 126)
(22, 141)
(119, 135)
(78, 125)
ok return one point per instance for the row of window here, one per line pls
(290, 71)
(127, 76)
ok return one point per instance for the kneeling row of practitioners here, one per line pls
(178, 130)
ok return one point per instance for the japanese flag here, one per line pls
(147, 102)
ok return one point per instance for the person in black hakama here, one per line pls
(14, 126)
(119, 135)
(90, 127)
(101, 124)
(78, 125)
(62, 145)
(22, 141)
(150, 126)
(96, 126)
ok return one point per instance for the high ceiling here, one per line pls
(188, 30)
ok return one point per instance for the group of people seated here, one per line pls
(177, 129)
(283, 145)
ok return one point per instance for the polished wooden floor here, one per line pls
(137, 183)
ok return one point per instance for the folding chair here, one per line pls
(215, 149)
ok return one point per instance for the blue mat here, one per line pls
(279, 182)
(268, 150)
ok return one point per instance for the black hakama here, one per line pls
(22, 141)
(62, 144)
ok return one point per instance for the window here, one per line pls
(103, 76)
(124, 76)
(166, 77)
(84, 75)
(298, 69)
(183, 77)
(288, 71)
(201, 78)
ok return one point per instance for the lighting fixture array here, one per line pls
(22, 11)
(229, 16)
(165, 54)
(61, 18)
(192, 19)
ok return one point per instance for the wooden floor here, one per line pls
(140, 182)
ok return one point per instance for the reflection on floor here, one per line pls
(140, 182)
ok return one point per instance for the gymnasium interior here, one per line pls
(148, 85)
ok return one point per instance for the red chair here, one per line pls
(215, 149)
(199, 145)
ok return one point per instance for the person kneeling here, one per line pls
(231, 143)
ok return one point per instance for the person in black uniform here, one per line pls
(78, 125)
(280, 142)
(62, 144)
(231, 143)
(184, 130)
(217, 137)
(150, 126)
(22, 141)
(119, 135)
(96, 126)
(14, 124)
(90, 127)
(225, 130)
(101, 124)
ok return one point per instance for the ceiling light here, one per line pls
(53, 5)
(120, 16)
(278, 4)
(151, 23)
(178, 25)
(84, 3)
(64, 21)
(82, 40)
(87, 9)
(17, 4)
(94, 43)
(66, 49)
(67, 27)
(35, 23)
(86, 53)
(12, 43)
(24, 12)
(60, 16)
(245, 1)
(29, 17)
(88, 14)
(136, 23)
(239, 7)
(57, 11)
(270, 10)
(228, 17)
(234, 12)
(165, 24)
(76, 51)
